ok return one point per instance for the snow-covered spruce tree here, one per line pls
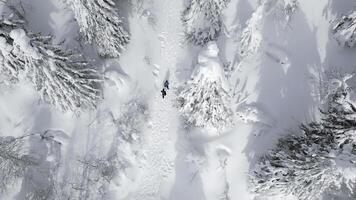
(100, 25)
(202, 20)
(204, 100)
(63, 79)
(311, 163)
(13, 161)
(289, 7)
(345, 30)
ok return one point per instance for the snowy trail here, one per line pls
(159, 150)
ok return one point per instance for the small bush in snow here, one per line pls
(345, 30)
(311, 163)
(204, 100)
(100, 25)
(202, 20)
(63, 79)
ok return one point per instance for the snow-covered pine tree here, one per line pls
(345, 30)
(100, 25)
(13, 161)
(63, 78)
(204, 100)
(311, 163)
(202, 20)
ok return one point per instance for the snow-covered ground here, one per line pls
(164, 125)
(274, 87)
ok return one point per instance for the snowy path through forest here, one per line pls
(159, 149)
(261, 102)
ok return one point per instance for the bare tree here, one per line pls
(40, 180)
(13, 160)
(93, 172)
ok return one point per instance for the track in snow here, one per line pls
(159, 149)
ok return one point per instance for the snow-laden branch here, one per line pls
(100, 25)
(63, 78)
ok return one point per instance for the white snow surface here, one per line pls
(274, 90)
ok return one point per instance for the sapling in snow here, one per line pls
(202, 20)
(62, 78)
(308, 164)
(204, 100)
(100, 25)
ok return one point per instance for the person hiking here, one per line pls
(164, 93)
(166, 84)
